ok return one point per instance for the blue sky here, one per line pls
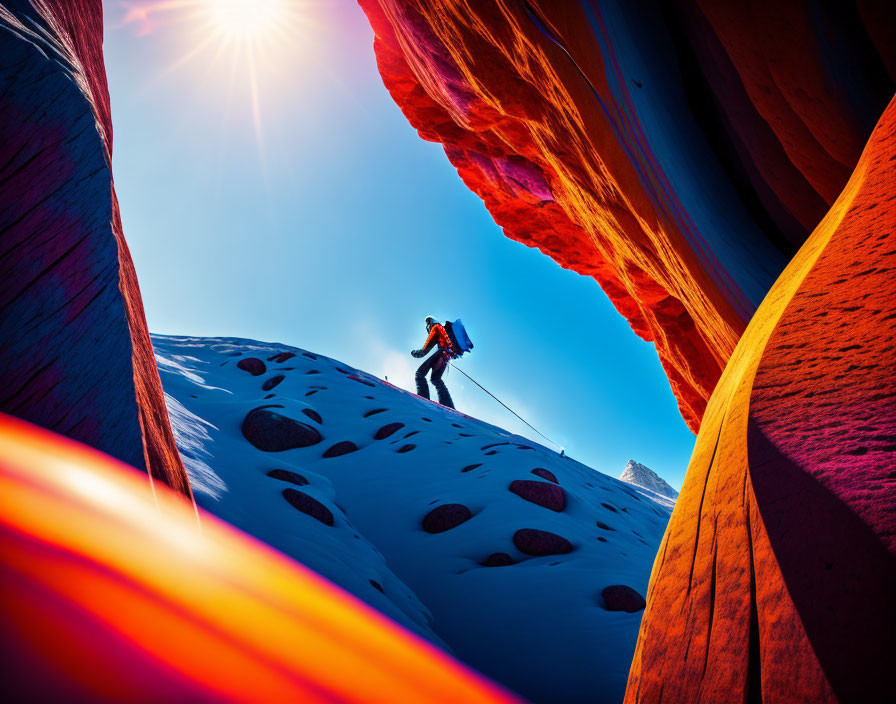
(314, 215)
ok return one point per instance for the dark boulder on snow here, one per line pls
(446, 517)
(272, 432)
(498, 559)
(281, 358)
(619, 597)
(546, 495)
(253, 365)
(272, 382)
(341, 448)
(545, 474)
(387, 430)
(538, 543)
(309, 506)
(285, 475)
(313, 415)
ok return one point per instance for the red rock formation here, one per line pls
(111, 593)
(563, 117)
(76, 352)
(776, 577)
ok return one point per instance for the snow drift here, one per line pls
(526, 565)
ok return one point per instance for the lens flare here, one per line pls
(230, 46)
(244, 20)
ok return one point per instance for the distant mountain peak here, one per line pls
(637, 474)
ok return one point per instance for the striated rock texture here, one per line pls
(679, 153)
(75, 353)
(776, 576)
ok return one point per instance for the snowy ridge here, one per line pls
(528, 566)
(654, 486)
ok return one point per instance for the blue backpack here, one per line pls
(459, 338)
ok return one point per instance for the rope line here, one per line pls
(556, 444)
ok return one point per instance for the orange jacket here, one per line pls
(437, 335)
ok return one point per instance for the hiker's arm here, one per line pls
(431, 340)
(428, 345)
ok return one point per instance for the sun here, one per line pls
(243, 20)
(231, 45)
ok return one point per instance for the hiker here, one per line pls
(436, 363)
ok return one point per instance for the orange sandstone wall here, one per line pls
(776, 577)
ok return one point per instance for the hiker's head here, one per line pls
(430, 321)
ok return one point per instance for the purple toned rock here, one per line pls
(272, 382)
(498, 559)
(446, 517)
(532, 541)
(309, 506)
(272, 432)
(284, 475)
(75, 353)
(601, 524)
(374, 412)
(281, 358)
(253, 365)
(341, 448)
(619, 597)
(405, 448)
(387, 430)
(546, 495)
(470, 467)
(313, 415)
(545, 474)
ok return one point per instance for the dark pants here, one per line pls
(437, 363)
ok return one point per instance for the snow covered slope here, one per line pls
(531, 565)
(654, 485)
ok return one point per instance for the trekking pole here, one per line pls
(556, 444)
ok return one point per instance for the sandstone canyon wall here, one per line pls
(679, 153)
(74, 346)
(778, 569)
